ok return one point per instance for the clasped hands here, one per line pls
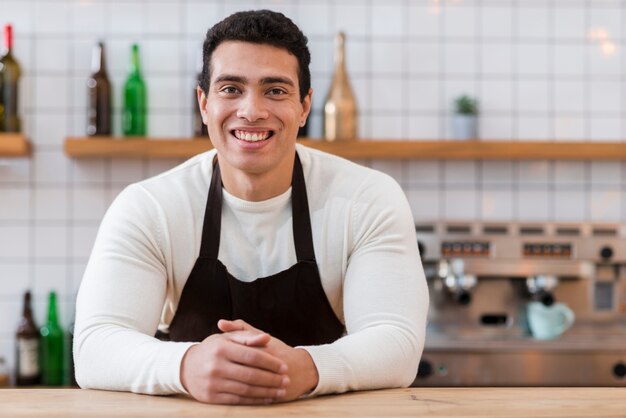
(245, 365)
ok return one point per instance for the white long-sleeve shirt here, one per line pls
(149, 239)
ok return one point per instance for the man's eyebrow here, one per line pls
(277, 80)
(243, 80)
(231, 78)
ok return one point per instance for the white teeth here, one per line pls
(251, 137)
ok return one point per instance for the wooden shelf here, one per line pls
(14, 145)
(363, 149)
(136, 147)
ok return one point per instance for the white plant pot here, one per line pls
(465, 126)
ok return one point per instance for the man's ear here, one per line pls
(202, 103)
(306, 107)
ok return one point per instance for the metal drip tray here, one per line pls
(577, 358)
(570, 341)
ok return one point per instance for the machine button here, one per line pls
(619, 370)
(606, 252)
(463, 297)
(425, 369)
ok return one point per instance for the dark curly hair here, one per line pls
(259, 27)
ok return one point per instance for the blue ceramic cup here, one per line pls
(549, 322)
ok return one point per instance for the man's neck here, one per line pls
(256, 187)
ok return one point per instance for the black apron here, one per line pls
(290, 305)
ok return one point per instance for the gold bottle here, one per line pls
(340, 110)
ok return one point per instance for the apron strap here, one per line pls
(302, 236)
(210, 244)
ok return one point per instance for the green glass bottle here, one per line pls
(9, 78)
(135, 117)
(52, 347)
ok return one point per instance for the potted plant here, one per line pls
(465, 119)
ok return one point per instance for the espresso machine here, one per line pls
(483, 276)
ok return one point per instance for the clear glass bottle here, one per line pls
(27, 343)
(10, 73)
(340, 109)
(135, 117)
(98, 95)
(52, 347)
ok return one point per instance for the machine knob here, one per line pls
(424, 369)
(422, 248)
(546, 298)
(463, 297)
(619, 370)
(606, 252)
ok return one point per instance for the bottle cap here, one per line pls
(8, 36)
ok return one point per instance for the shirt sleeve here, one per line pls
(385, 298)
(120, 301)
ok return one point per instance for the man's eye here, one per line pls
(229, 90)
(277, 92)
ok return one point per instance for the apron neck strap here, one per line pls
(210, 245)
(302, 236)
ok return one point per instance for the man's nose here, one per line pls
(252, 108)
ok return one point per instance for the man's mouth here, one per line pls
(252, 136)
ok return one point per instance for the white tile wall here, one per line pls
(569, 59)
(460, 204)
(532, 22)
(533, 205)
(19, 209)
(495, 22)
(497, 204)
(385, 12)
(542, 70)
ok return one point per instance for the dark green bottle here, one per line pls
(135, 117)
(10, 72)
(52, 347)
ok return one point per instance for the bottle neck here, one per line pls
(340, 51)
(52, 308)
(28, 310)
(134, 60)
(98, 64)
(8, 38)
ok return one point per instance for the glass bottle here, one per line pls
(4, 374)
(98, 95)
(52, 347)
(135, 118)
(27, 343)
(10, 73)
(340, 109)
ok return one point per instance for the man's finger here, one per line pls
(249, 338)
(254, 376)
(254, 357)
(251, 391)
(226, 325)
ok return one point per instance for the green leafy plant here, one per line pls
(466, 105)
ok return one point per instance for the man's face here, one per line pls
(253, 108)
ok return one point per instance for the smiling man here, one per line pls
(260, 271)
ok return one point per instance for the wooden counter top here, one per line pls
(413, 402)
